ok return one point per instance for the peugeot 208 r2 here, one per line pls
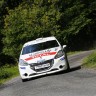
(42, 56)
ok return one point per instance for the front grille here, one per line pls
(34, 65)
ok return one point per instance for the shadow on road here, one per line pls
(75, 68)
(67, 71)
(58, 73)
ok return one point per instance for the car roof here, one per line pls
(39, 40)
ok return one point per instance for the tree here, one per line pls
(4, 4)
(76, 24)
(69, 20)
(27, 22)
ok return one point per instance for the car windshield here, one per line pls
(40, 46)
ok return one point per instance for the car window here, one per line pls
(40, 46)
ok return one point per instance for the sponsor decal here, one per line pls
(62, 58)
(23, 67)
(40, 55)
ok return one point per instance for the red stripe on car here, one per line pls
(40, 55)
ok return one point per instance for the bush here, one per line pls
(7, 72)
(90, 61)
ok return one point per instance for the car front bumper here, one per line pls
(27, 72)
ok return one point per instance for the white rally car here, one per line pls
(42, 56)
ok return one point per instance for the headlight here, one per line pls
(23, 63)
(59, 54)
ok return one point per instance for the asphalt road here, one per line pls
(77, 82)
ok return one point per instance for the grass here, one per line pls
(8, 72)
(90, 61)
(73, 52)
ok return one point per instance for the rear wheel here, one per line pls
(68, 66)
(67, 63)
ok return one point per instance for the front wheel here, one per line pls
(24, 80)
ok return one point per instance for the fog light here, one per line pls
(25, 74)
(60, 66)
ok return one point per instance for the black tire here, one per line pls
(67, 63)
(24, 80)
(66, 59)
(68, 66)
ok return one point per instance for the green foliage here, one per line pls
(90, 61)
(69, 20)
(27, 23)
(7, 72)
(4, 4)
(74, 18)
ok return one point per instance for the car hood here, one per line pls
(40, 56)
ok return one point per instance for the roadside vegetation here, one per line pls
(90, 61)
(72, 22)
(73, 52)
(7, 72)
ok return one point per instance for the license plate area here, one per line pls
(47, 65)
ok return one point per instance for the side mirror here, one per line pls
(64, 47)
